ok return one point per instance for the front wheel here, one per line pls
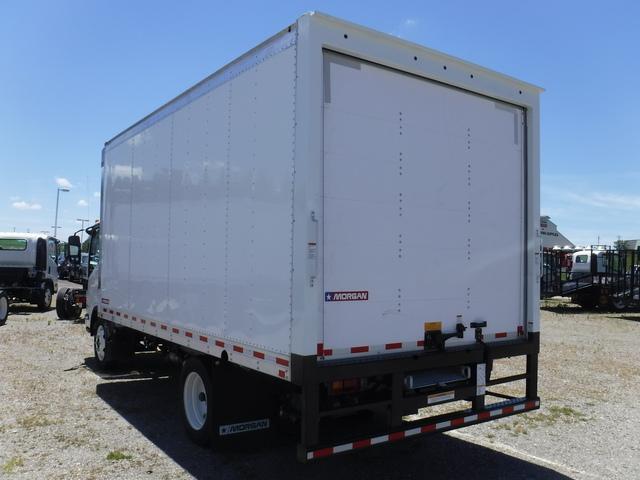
(4, 308)
(197, 401)
(103, 345)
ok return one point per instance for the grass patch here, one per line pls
(11, 464)
(554, 414)
(117, 455)
(33, 421)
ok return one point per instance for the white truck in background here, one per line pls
(28, 269)
(273, 230)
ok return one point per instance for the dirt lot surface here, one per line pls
(61, 419)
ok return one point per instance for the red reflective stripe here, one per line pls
(484, 416)
(118, 314)
(328, 352)
(153, 324)
(420, 343)
(507, 410)
(520, 330)
(258, 355)
(219, 343)
(319, 349)
(530, 405)
(203, 338)
(126, 316)
(362, 349)
(456, 422)
(135, 319)
(282, 373)
(501, 335)
(236, 348)
(392, 346)
(142, 320)
(188, 334)
(175, 330)
(428, 428)
(362, 443)
(324, 452)
(111, 311)
(163, 327)
(396, 436)
(282, 361)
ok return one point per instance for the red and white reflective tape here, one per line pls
(243, 354)
(428, 428)
(323, 351)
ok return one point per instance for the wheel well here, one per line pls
(94, 321)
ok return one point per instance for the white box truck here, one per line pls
(334, 231)
(28, 269)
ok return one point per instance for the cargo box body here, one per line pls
(326, 196)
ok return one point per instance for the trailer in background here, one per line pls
(277, 230)
(599, 276)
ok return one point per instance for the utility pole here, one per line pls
(82, 221)
(55, 225)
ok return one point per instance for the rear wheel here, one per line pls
(4, 308)
(45, 297)
(197, 401)
(61, 304)
(619, 304)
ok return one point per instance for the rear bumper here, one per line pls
(308, 374)
(432, 425)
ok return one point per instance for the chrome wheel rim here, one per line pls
(100, 342)
(195, 401)
(4, 308)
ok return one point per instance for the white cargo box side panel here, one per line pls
(197, 201)
(423, 210)
(260, 220)
(116, 224)
(199, 251)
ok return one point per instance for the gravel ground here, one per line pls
(61, 419)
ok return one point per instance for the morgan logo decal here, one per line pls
(346, 296)
(244, 427)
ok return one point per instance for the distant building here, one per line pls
(551, 237)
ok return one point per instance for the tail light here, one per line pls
(341, 387)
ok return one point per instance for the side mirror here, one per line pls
(74, 249)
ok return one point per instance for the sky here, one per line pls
(75, 73)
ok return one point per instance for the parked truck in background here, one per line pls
(28, 268)
(273, 229)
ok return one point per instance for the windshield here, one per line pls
(13, 244)
(582, 258)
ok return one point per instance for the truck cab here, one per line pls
(28, 268)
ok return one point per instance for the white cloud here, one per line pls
(410, 22)
(83, 203)
(63, 182)
(26, 206)
(96, 194)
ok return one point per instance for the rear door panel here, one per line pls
(423, 209)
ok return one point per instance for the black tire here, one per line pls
(62, 305)
(4, 308)
(103, 345)
(198, 420)
(45, 297)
